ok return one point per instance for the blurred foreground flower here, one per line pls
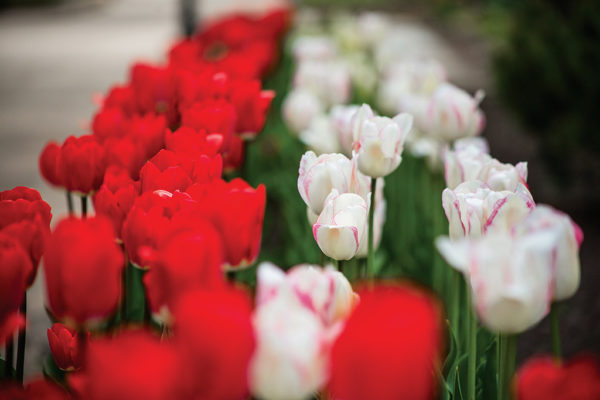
(398, 359)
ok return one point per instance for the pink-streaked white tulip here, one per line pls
(314, 48)
(341, 225)
(329, 80)
(567, 237)
(510, 277)
(299, 108)
(324, 291)
(317, 176)
(449, 114)
(292, 349)
(341, 119)
(473, 209)
(499, 176)
(320, 136)
(379, 141)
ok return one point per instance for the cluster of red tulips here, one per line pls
(153, 165)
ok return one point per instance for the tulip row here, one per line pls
(517, 257)
(166, 222)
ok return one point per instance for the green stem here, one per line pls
(510, 349)
(336, 263)
(371, 252)
(472, 357)
(501, 355)
(21, 343)
(455, 303)
(9, 355)
(69, 202)
(84, 207)
(556, 346)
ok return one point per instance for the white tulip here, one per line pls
(324, 291)
(341, 225)
(473, 209)
(299, 108)
(379, 141)
(329, 80)
(450, 113)
(320, 136)
(317, 176)
(464, 163)
(290, 361)
(510, 279)
(565, 246)
(499, 176)
(314, 48)
(341, 119)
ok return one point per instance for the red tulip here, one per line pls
(234, 156)
(237, 211)
(213, 116)
(116, 196)
(80, 164)
(188, 260)
(125, 153)
(214, 336)
(153, 90)
(15, 269)
(83, 268)
(110, 123)
(121, 96)
(26, 217)
(48, 164)
(193, 143)
(166, 171)
(148, 132)
(251, 105)
(390, 347)
(64, 345)
(545, 378)
(132, 365)
(148, 221)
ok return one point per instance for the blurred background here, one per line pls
(537, 61)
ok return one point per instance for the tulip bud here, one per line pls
(378, 141)
(82, 164)
(299, 108)
(83, 269)
(510, 277)
(317, 176)
(341, 225)
(565, 247)
(473, 209)
(64, 345)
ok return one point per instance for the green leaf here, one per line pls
(52, 372)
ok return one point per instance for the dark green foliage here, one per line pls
(548, 74)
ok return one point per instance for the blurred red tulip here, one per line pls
(234, 156)
(390, 347)
(132, 365)
(48, 164)
(116, 196)
(148, 132)
(83, 269)
(110, 123)
(15, 269)
(215, 339)
(64, 345)
(122, 97)
(193, 143)
(26, 217)
(237, 211)
(545, 378)
(153, 90)
(213, 116)
(81, 164)
(188, 260)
